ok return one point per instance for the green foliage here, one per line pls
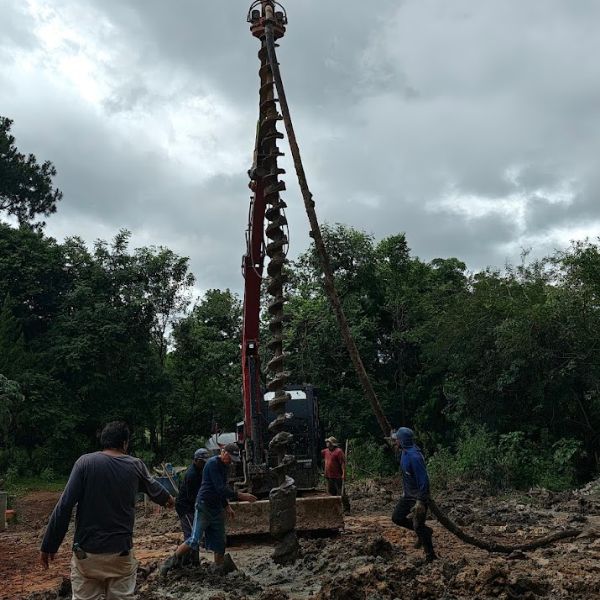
(205, 370)
(81, 332)
(11, 401)
(26, 189)
(48, 475)
(21, 486)
(441, 469)
(183, 451)
(507, 461)
(475, 459)
(368, 459)
(497, 371)
(11, 476)
(12, 343)
(90, 335)
(476, 456)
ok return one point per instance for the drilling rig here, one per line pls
(280, 432)
(271, 454)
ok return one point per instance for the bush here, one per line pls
(15, 460)
(12, 476)
(476, 456)
(367, 459)
(513, 462)
(566, 453)
(517, 460)
(147, 457)
(48, 474)
(474, 460)
(184, 452)
(442, 469)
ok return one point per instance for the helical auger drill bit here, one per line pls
(283, 497)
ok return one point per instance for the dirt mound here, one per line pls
(34, 509)
(450, 580)
(591, 488)
(199, 582)
(374, 495)
(62, 591)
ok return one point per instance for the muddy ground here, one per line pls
(372, 559)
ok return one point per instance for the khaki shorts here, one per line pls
(98, 575)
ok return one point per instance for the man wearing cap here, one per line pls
(186, 498)
(334, 461)
(212, 503)
(415, 484)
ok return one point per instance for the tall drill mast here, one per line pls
(265, 176)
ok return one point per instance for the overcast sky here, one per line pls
(472, 126)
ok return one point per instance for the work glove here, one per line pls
(419, 512)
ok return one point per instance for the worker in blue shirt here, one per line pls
(415, 484)
(185, 505)
(212, 504)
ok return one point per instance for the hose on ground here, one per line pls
(491, 545)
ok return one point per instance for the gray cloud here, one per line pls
(15, 29)
(472, 127)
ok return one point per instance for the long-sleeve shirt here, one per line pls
(214, 491)
(415, 480)
(188, 491)
(104, 488)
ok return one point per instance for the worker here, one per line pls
(212, 505)
(186, 498)
(104, 486)
(411, 510)
(334, 461)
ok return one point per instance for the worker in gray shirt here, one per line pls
(104, 486)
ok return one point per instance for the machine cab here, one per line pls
(303, 423)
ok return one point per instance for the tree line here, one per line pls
(497, 370)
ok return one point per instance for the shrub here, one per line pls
(147, 457)
(566, 453)
(367, 459)
(184, 452)
(515, 461)
(442, 469)
(16, 460)
(12, 476)
(476, 456)
(518, 461)
(47, 474)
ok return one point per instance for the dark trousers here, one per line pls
(186, 519)
(334, 488)
(400, 517)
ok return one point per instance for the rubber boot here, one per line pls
(418, 544)
(195, 558)
(173, 562)
(227, 566)
(426, 539)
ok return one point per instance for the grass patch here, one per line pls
(25, 485)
